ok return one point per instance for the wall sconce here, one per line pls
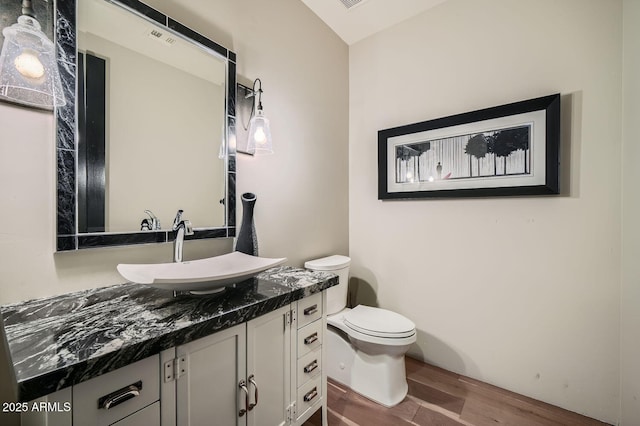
(259, 130)
(28, 69)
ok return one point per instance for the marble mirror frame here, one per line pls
(66, 148)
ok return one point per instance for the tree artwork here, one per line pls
(500, 152)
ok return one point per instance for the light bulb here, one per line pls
(28, 64)
(259, 135)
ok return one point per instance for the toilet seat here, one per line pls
(379, 322)
(368, 324)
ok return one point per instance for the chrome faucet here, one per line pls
(183, 227)
(155, 222)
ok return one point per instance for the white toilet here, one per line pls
(365, 346)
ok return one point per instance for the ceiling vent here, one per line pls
(351, 3)
(162, 37)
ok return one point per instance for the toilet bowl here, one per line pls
(365, 345)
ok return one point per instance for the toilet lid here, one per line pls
(378, 322)
(329, 263)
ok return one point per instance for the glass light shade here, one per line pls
(259, 135)
(28, 70)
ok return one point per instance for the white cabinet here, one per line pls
(238, 376)
(266, 372)
(208, 372)
(269, 368)
(309, 381)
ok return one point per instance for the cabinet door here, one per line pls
(210, 369)
(269, 368)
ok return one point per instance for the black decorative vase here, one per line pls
(247, 241)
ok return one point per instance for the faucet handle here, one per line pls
(188, 228)
(178, 219)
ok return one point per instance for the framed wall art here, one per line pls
(505, 150)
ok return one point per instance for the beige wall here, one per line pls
(521, 292)
(630, 291)
(304, 71)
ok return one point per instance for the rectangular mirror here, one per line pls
(148, 126)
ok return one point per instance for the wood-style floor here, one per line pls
(441, 398)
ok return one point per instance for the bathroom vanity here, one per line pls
(132, 354)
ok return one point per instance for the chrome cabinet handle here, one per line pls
(253, 382)
(309, 368)
(120, 396)
(311, 310)
(310, 339)
(310, 395)
(243, 385)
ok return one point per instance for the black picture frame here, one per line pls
(512, 149)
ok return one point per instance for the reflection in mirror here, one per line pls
(153, 123)
(154, 113)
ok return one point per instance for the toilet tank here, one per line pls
(336, 295)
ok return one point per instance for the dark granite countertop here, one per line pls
(63, 340)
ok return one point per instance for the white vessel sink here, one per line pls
(203, 275)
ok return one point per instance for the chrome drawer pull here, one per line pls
(243, 385)
(312, 394)
(309, 368)
(309, 340)
(120, 396)
(253, 382)
(311, 310)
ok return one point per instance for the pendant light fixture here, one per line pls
(259, 130)
(28, 69)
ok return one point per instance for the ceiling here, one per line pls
(366, 17)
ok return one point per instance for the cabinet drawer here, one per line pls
(309, 395)
(309, 338)
(309, 366)
(309, 309)
(149, 416)
(124, 391)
